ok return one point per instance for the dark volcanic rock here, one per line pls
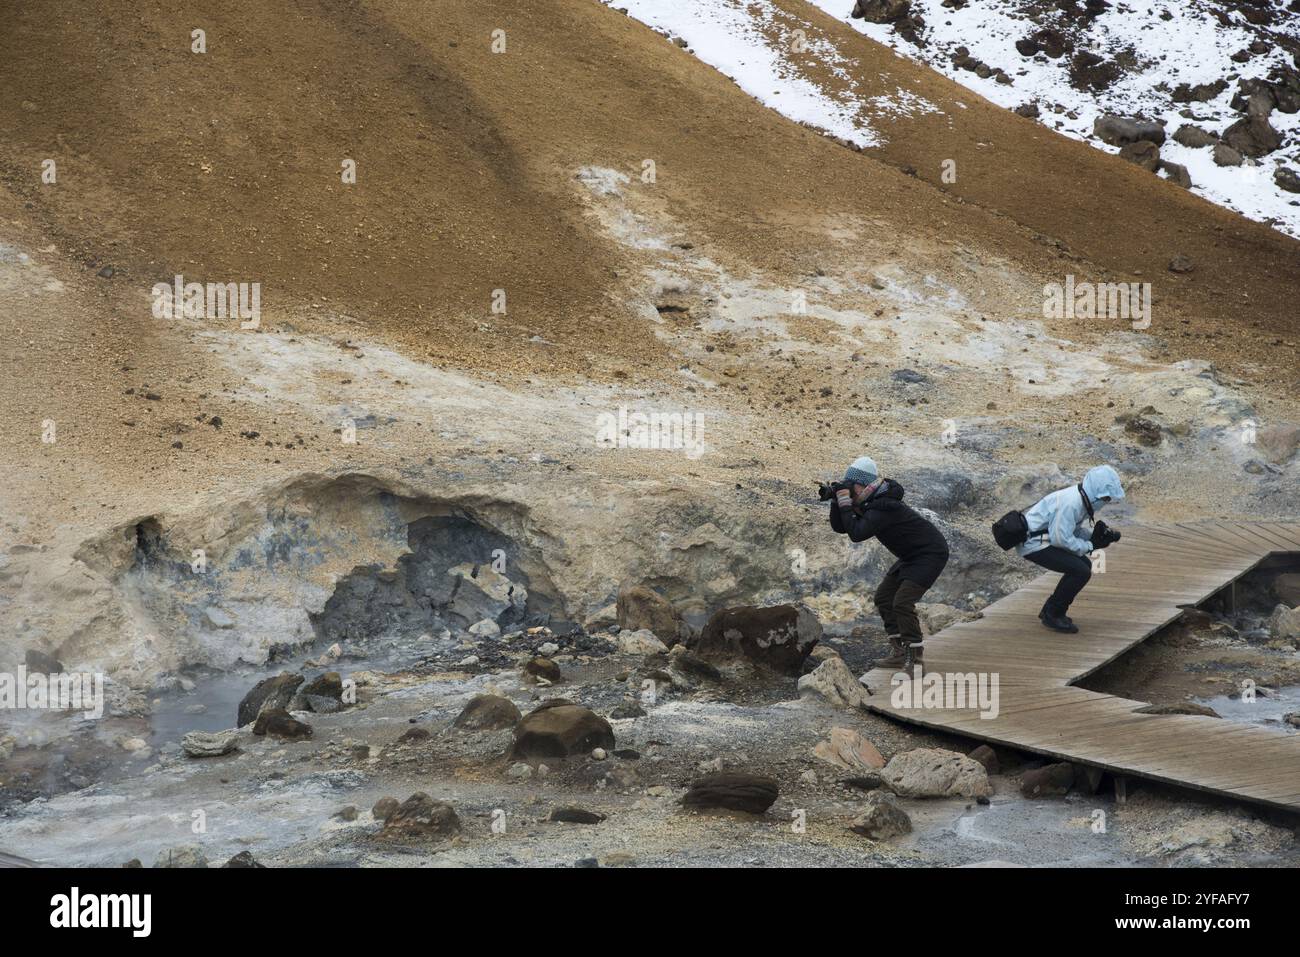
(880, 11)
(1143, 153)
(1253, 136)
(733, 791)
(641, 607)
(1051, 779)
(560, 731)
(987, 757)
(1183, 707)
(540, 667)
(576, 815)
(274, 692)
(1118, 131)
(278, 723)
(243, 859)
(420, 817)
(882, 818)
(384, 808)
(38, 662)
(488, 712)
(779, 637)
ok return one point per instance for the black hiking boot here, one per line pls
(1057, 622)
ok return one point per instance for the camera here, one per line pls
(826, 491)
(1103, 535)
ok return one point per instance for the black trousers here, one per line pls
(1077, 571)
(896, 600)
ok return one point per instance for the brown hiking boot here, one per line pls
(912, 659)
(896, 659)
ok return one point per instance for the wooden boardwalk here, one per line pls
(1149, 575)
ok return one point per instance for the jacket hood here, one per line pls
(1102, 480)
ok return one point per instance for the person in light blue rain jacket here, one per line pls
(1062, 537)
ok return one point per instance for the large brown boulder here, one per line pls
(732, 791)
(779, 637)
(420, 817)
(640, 607)
(1253, 136)
(560, 729)
(274, 692)
(278, 723)
(488, 712)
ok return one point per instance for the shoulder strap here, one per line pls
(1086, 504)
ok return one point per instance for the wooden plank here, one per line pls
(1150, 576)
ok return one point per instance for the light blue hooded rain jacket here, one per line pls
(1064, 517)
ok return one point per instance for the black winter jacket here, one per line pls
(921, 549)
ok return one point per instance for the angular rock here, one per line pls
(1194, 137)
(274, 692)
(1287, 179)
(244, 859)
(1143, 153)
(384, 808)
(1119, 131)
(1177, 173)
(38, 662)
(880, 11)
(1286, 587)
(1225, 155)
(933, 772)
(641, 608)
(480, 593)
(1051, 779)
(834, 682)
(205, 744)
(628, 709)
(987, 757)
(642, 642)
(778, 637)
(413, 736)
(420, 817)
(881, 818)
(560, 731)
(1284, 622)
(488, 712)
(1253, 136)
(186, 856)
(544, 668)
(576, 815)
(849, 750)
(732, 791)
(278, 723)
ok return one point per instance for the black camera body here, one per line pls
(826, 492)
(1103, 535)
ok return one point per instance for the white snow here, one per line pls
(1190, 47)
(752, 42)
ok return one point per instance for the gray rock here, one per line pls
(779, 637)
(1119, 131)
(488, 712)
(1225, 155)
(1253, 136)
(273, 692)
(204, 744)
(1194, 136)
(881, 818)
(834, 682)
(187, 855)
(932, 772)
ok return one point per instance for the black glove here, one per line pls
(1103, 535)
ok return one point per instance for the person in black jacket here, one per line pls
(874, 509)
